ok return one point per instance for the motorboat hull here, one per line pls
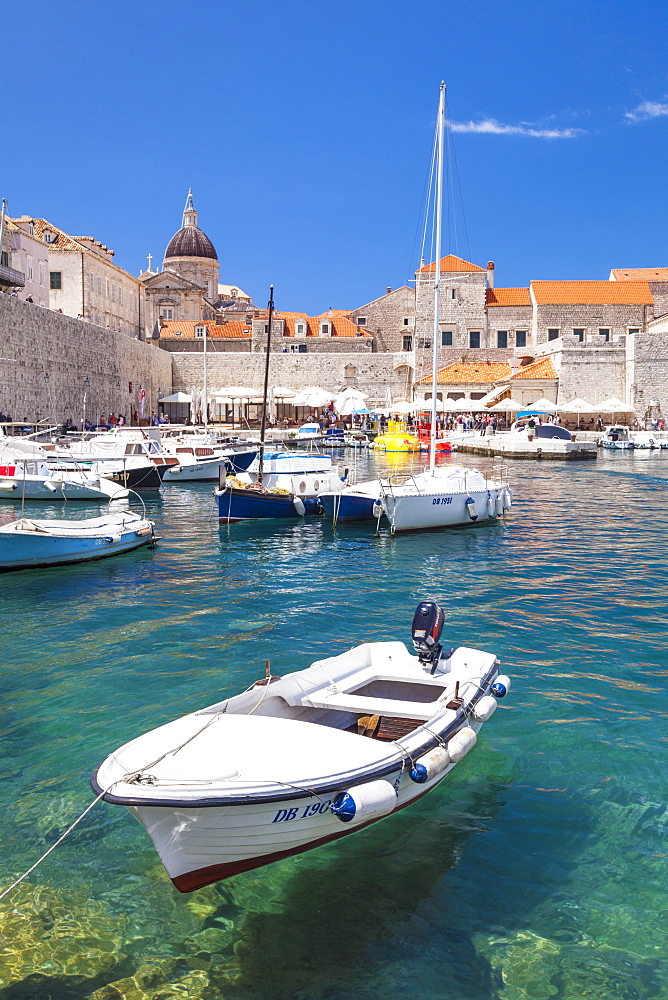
(29, 544)
(253, 505)
(74, 487)
(201, 846)
(208, 470)
(448, 498)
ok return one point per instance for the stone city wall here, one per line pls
(370, 373)
(648, 373)
(37, 342)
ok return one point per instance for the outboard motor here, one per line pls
(426, 631)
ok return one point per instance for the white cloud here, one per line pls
(489, 126)
(647, 110)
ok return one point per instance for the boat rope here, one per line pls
(76, 822)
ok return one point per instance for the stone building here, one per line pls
(29, 256)
(390, 319)
(83, 280)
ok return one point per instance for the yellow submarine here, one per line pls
(397, 437)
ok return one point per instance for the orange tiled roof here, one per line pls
(480, 372)
(62, 240)
(341, 325)
(508, 297)
(592, 293)
(452, 263)
(186, 329)
(543, 368)
(640, 274)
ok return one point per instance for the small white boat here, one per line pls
(27, 543)
(298, 761)
(617, 438)
(444, 497)
(648, 440)
(25, 473)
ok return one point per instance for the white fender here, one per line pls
(363, 802)
(485, 708)
(507, 498)
(499, 503)
(491, 506)
(429, 765)
(461, 743)
(471, 508)
(299, 506)
(501, 686)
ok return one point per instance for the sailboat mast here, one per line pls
(266, 385)
(437, 275)
(204, 386)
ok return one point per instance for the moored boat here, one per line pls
(29, 543)
(298, 761)
(617, 438)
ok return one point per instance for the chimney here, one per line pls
(490, 274)
(389, 289)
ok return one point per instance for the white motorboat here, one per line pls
(28, 543)
(445, 496)
(298, 761)
(448, 496)
(617, 438)
(25, 474)
(648, 440)
(126, 455)
(544, 428)
(201, 459)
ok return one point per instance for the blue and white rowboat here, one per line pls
(27, 543)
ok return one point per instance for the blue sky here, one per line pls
(305, 130)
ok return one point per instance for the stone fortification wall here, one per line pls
(593, 371)
(39, 342)
(648, 373)
(616, 318)
(371, 373)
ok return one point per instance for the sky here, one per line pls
(305, 130)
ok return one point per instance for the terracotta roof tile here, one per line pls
(543, 368)
(640, 274)
(186, 329)
(62, 241)
(452, 263)
(508, 297)
(341, 325)
(475, 372)
(592, 292)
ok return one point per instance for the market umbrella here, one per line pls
(176, 397)
(403, 407)
(612, 405)
(348, 400)
(546, 405)
(506, 406)
(313, 396)
(578, 406)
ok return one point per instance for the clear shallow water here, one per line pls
(538, 871)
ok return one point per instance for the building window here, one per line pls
(99, 285)
(605, 333)
(120, 295)
(474, 338)
(166, 312)
(552, 334)
(29, 270)
(446, 338)
(301, 348)
(55, 279)
(578, 331)
(634, 329)
(4, 258)
(42, 274)
(423, 342)
(361, 321)
(178, 333)
(324, 328)
(200, 331)
(501, 338)
(520, 338)
(407, 344)
(113, 292)
(407, 321)
(453, 293)
(300, 329)
(92, 282)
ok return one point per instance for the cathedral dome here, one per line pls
(190, 242)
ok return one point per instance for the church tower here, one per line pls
(191, 254)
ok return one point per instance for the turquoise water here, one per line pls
(538, 871)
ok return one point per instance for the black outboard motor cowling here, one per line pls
(426, 631)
